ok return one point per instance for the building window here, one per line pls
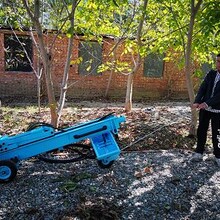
(91, 55)
(18, 53)
(154, 65)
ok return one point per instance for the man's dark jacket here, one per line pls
(205, 91)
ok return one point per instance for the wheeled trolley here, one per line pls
(45, 141)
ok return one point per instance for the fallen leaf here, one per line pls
(138, 174)
(148, 170)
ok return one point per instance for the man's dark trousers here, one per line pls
(204, 118)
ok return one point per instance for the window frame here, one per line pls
(84, 54)
(16, 55)
(159, 72)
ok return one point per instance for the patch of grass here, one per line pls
(73, 183)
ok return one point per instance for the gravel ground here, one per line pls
(146, 183)
(154, 184)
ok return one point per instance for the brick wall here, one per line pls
(18, 84)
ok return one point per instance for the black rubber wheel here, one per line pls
(106, 116)
(69, 153)
(8, 171)
(103, 164)
(37, 125)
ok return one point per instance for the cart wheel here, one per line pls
(8, 171)
(105, 164)
(69, 153)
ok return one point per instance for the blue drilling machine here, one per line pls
(49, 144)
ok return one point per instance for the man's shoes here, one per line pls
(196, 157)
(217, 161)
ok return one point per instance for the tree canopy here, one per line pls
(165, 23)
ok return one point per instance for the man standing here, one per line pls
(208, 103)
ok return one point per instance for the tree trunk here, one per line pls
(129, 93)
(39, 89)
(109, 83)
(46, 58)
(67, 64)
(112, 68)
(65, 79)
(194, 10)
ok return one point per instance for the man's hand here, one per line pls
(203, 106)
(195, 105)
(200, 106)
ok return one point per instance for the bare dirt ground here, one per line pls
(153, 125)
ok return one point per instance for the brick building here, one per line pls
(155, 78)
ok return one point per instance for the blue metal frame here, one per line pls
(43, 139)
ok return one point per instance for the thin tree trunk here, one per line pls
(46, 58)
(67, 65)
(129, 92)
(109, 83)
(112, 69)
(51, 95)
(194, 10)
(65, 79)
(39, 88)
